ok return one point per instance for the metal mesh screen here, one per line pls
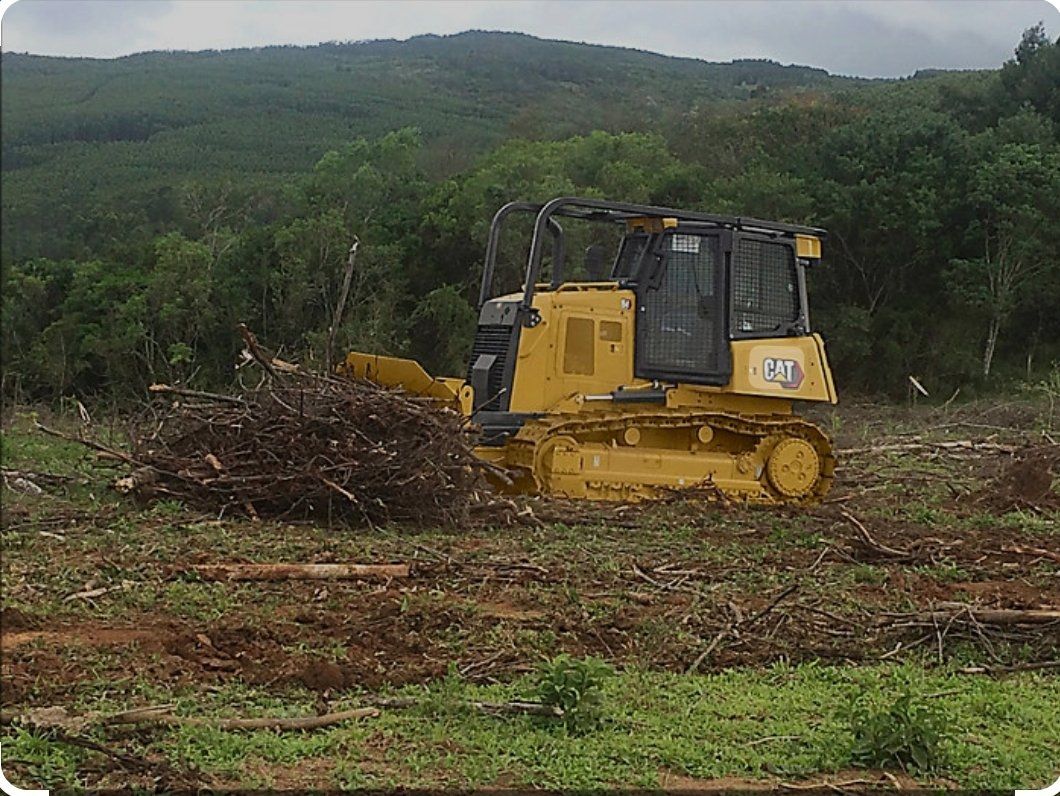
(678, 319)
(492, 340)
(764, 287)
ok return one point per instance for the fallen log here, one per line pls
(59, 717)
(154, 716)
(946, 612)
(868, 541)
(515, 707)
(90, 594)
(958, 446)
(519, 708)
(1019, 667)
(103, 450)
(296, 571)
(209, 396)
(44, 478)
(772, 604)
(1032, 551)
(1010, 616)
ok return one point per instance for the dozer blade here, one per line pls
(405, 373)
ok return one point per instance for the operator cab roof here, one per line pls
(621, 212)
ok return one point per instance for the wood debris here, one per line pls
(302, 445)
(60, 718)
(298, 571)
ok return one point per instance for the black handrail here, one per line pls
(493, 243)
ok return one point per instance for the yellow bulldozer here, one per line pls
(673, 364)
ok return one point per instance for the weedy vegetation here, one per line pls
(575, 687)
(908, 733)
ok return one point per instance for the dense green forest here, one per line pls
(133, 132)
(150, 203)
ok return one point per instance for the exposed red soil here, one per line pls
(1025, 482)
(12, 619)
(406, 635)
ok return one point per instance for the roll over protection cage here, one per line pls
(493, 243)
(598, 210)
(491, 372)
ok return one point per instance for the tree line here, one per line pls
(941, 196)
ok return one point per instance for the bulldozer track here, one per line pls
(756, 437)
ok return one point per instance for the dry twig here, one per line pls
(871, 543)
(297, 571)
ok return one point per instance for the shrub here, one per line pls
(574, 685)
(909, 734)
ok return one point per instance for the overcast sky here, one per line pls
(872, 38)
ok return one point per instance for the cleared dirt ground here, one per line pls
(938, 518)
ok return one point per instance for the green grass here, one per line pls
(944, 572)
(777, 724)
(783, 723)
(1019, 521)
(21, 447)
(49, 764)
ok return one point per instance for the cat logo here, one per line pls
(785, 372)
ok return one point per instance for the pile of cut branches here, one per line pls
(306, 445)
(302, 444)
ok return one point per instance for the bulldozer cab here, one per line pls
(699, 281)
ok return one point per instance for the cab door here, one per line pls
(681, 310)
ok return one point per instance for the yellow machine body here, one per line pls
(588, 427)
(584, 445)
(584, 345)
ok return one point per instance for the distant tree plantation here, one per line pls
(151, 203)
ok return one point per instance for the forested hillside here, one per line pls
(89, 142)
(152, 202)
